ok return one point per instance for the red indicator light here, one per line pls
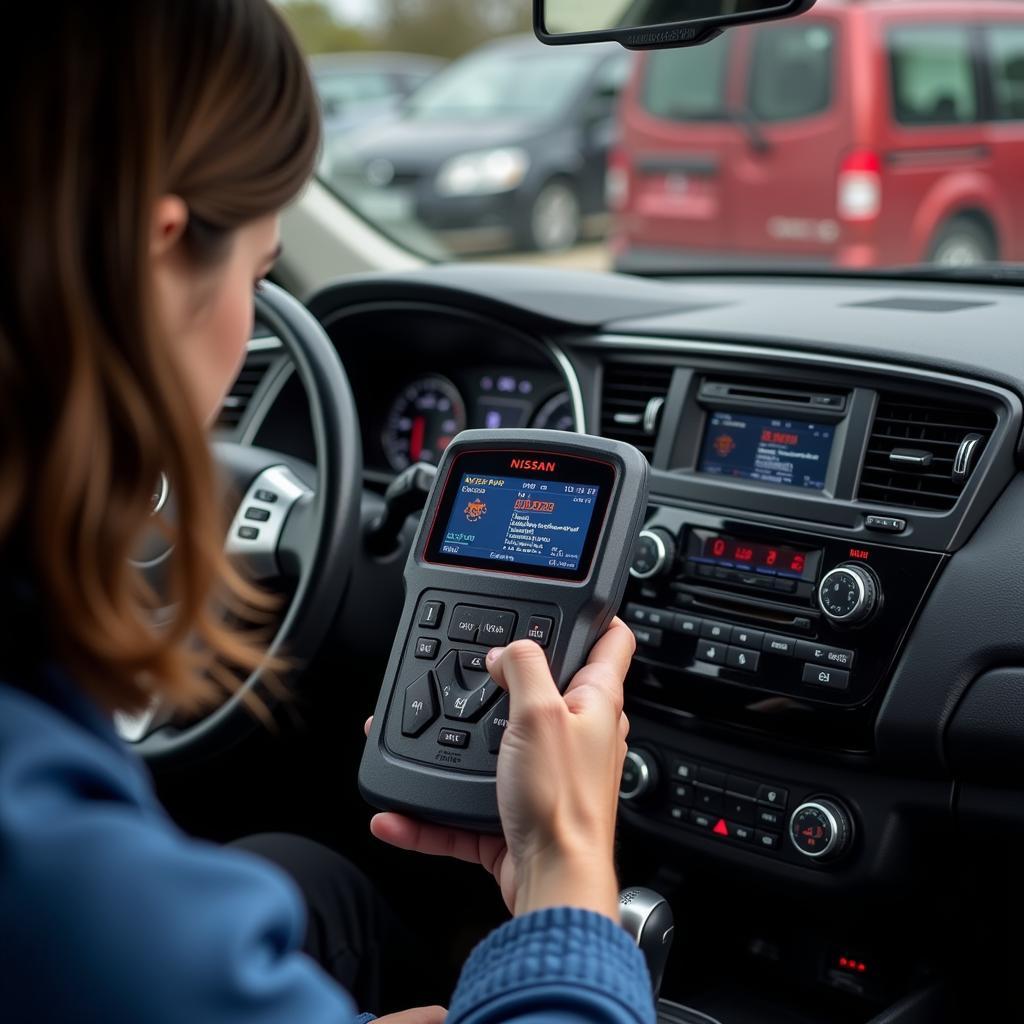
(718, 548)
(862, 968)
(744, 554)
(843, 962)
(798, 563)
(721, 829)
(860, 554)
(773, 557)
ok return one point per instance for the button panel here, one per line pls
(725, 805)
(450, 635)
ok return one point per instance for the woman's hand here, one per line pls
(558, 777)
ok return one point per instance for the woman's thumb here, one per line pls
(522, 669)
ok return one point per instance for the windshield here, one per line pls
(859, 137)
(502, 85)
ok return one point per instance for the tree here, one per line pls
(449, 28)
(317, 30)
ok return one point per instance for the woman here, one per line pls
(149, 148)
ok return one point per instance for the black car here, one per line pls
(506, 146)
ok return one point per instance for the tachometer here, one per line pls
(422, 421)
(556, 413)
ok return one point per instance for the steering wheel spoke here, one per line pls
(259, 524)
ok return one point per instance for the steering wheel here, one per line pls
(295, 523)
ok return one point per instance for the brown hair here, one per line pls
(106, 107)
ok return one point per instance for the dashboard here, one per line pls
(827, 593)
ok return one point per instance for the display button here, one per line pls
(683, 770)
(705, 570)
(709, 800)
(679, 814)
(833, 678)
(248, 532)
(702, 820)
(465, 623)
(430, 614)
(766, 840)
(739, 809)
(836, 656)
(743, 637)
(682, 794)
(887, 524)
(467, 705)
(259, 515)
(768, 817)
(785, 645)
(495, 724)
(419, 705)
(473, 661)
(775, 796)
(453, 738)
(744, 833)
(539, 629)
(716, 631)
(268, 496)
(746, 661)
(711, 651)
(496, 627)
(426, 647)
(647, 635)
(687, 624)
(647, 616)
(785, 586)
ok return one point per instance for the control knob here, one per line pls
(654, 553)
(821, 829)
(849, 594)
(639, 775)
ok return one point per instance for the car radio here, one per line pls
(794, 613)
(526, 534)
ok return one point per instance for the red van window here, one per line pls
(688, 84)
(1005, 46)
(933, 78)
(792, 72)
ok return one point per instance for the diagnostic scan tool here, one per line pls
(526, 533)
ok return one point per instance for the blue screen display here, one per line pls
(787, 453)
(521, 521)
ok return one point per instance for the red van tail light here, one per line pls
(859, 196)
(616, 186)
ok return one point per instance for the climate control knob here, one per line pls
(639, 775)
(821, 829)
(654, 553)
(849, 594)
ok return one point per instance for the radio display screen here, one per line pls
(786, 453)
(526, 514)
(729, 552)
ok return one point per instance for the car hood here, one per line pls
(421, 147)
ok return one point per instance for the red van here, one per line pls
(866, 133)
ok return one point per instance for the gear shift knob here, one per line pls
(648, 918)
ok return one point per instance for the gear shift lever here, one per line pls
(647, 917)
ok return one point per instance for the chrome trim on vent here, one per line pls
(651, 414)
(964, 457)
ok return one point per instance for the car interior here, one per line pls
(825, 769)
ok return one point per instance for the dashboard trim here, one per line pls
(572, 383)
(762, 352)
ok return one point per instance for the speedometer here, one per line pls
(422, 421)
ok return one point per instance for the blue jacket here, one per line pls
(109, 913)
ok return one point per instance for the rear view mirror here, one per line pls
(652, 24)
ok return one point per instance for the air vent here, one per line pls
(631, 400)
(261, 355)
(921, 453)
